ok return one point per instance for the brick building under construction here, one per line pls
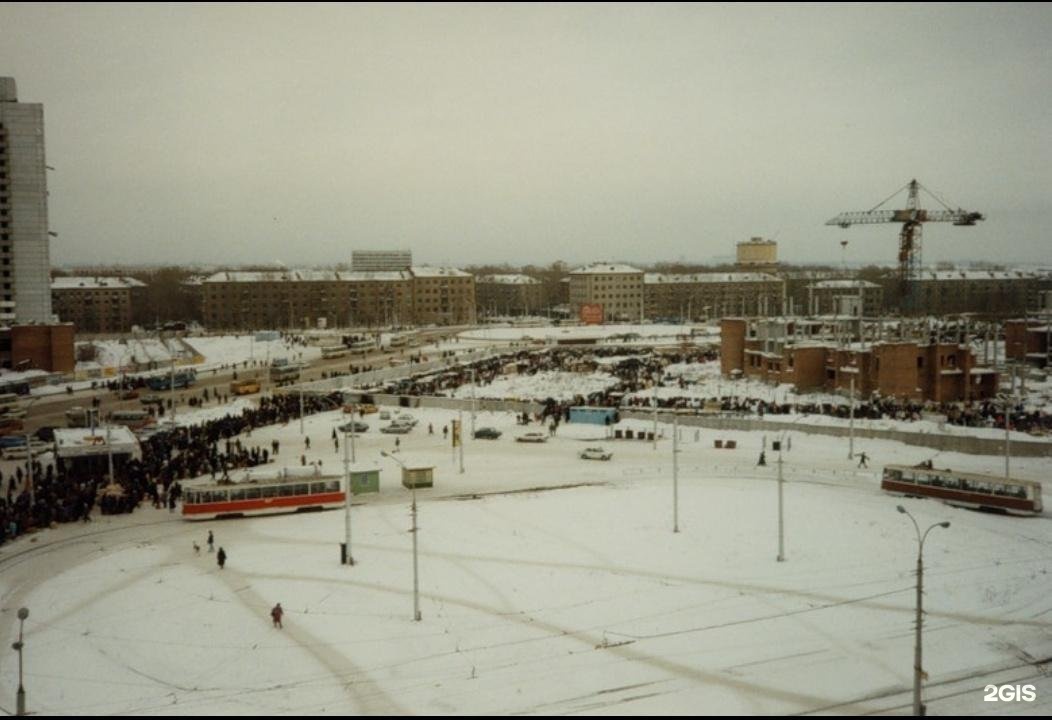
(826, 354)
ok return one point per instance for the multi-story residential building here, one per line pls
(508, 295)
(25, 269)
(845, 297)
(443, 296)
(700, 296)
(992, 293)
(832, 355)
(314, 298)
(381, 260)
(617, 288)
(98, 304)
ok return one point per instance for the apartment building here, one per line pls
(616, 288)
(700, 296)
(25, 268)
(98, 304)
(322, 298)
(509, 294)
(443, 296)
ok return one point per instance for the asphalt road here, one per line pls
(51, 410)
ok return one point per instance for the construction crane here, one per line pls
(912, 218)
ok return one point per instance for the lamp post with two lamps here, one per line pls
(918, 707)
(416, 574)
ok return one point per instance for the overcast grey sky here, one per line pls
(530, 133)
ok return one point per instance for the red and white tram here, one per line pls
(970, 490)
(262, 497)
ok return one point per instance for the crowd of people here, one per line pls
(68, 491)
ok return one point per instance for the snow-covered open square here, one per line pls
(548, 584)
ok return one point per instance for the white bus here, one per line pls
(334, 351)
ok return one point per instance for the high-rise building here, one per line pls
(25, 282)
(381, 260)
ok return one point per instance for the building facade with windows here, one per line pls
(249, 300)
(616, 287)
(98, 304)
(508, 294)
(701, 296)
(25, 268)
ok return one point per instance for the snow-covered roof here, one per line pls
(76, 282)
(840, 284)
(426, 271)
(732, 277)
(78, 442)
(948, 275)
(508, 280)
(252, 276)
(606, 269)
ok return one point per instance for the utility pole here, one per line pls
(460, 430)
(29, 468)
(655, 409)
(347, 498)
(851, 423)
(171, 386)
(781, 516)
(301, 411)
(675, 473)
(473, 399)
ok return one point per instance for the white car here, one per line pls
(532, 437)
(595, 453)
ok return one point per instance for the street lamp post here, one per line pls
(781, 516)
(23, 613)
(347, 494)
(918, 707)
(675, 473)
(851, 423)
(416, 574)
(1006, 398)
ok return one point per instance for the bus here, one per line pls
(309, 492)
(244, 387)
(11, 407)
(178, 380)
(400, 340)
(969, 490)
(134, 419)
(334, 351)
(284, 372)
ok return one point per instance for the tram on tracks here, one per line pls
(286, 493)
(969, 490)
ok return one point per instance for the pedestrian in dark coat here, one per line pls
(211, 542)
(221, 558)
(276, 614)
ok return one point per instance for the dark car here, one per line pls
(487, 433)
(46, 433)
(355, 426)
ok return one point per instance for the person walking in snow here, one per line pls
(221, 558)
(863, 459)
(276, 614)
(211, 542)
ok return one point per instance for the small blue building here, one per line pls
(593, 415)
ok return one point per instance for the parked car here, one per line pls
(385, 414)
(129, 394)
(406, 420)
(353, 426)
(487, 433)
(595, 453)
(532, 437)
(45, 433)
(151, 400)
(396, 429)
